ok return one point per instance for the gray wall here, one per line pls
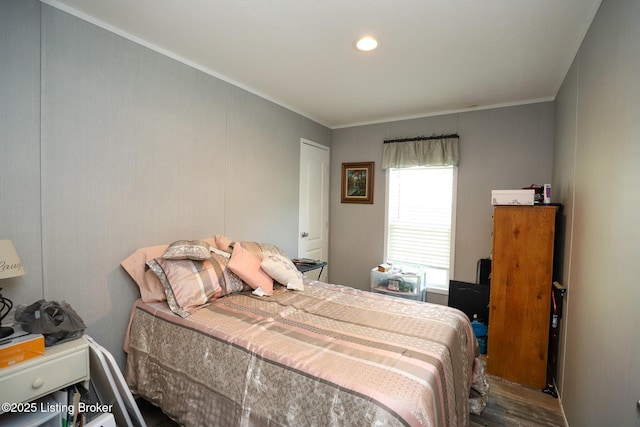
(20, 144)
(597, 170)
(502, 148)
(108, 146)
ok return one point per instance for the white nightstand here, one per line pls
(60, 366)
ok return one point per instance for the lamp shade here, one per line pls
(10, 265)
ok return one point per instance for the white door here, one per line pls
(313, 225)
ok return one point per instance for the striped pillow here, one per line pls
(192, 284)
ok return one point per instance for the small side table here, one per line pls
(61, 365)
(304, 266)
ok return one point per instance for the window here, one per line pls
(420, 212)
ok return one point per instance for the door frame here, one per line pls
(325, 249)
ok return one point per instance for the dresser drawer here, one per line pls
(60, 366)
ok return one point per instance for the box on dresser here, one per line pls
(20, 346)
(513, 197)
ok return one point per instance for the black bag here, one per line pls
(57, 321)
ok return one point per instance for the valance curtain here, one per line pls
(421, 151)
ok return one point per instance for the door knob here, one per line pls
(304, 234)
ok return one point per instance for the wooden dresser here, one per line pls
(521, 283)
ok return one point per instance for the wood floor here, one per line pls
(510, 405)
(515, 405)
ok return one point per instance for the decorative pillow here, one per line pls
(282, 270)
(188, 249)
(188, 284)
(261, 250)
(252, 247)
(268, 248)
(151, 289)
(223, 243)
(247, 266)
(231, 283)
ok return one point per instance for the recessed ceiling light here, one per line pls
(366, 44)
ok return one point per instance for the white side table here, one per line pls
(60, 366)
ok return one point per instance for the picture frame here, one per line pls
(357, 182)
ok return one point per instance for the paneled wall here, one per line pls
(109, 146)
(502, 148)
(20, 143)
(596, 172)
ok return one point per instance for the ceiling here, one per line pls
(434, 56)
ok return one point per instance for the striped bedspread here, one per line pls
(328, 355)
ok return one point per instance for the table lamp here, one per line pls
(10, 266)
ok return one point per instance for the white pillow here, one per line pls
(282, 270)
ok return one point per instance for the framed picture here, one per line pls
(357, 182)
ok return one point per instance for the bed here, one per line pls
(313, 354)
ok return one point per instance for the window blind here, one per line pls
(419, 217)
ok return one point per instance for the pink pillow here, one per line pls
(223, 243)
(151, 290)
(247, 266)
